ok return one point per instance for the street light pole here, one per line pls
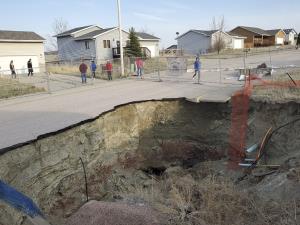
(121, 38)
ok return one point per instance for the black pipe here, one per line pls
(253, 165)
(85, 179)
(292, 79)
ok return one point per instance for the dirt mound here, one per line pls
(98, 213)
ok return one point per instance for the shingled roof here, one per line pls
(288, 31)
(206, 32)
(8, 35)
(256, 30)
(146, 36)
(273, 32)
(69, 32)
(93, 34)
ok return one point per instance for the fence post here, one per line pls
(158, 70)
(48, 82)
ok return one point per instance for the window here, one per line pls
(87, 44)
(106, 43)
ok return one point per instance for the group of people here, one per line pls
(83, 68)
(93, 68)
(13, 70)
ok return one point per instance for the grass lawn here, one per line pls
(11, 88)
(284, 91)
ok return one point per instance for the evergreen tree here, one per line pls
(298, 40)
(133, 47)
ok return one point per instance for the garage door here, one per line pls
(280, 41)
(20, 63)
(238, 44)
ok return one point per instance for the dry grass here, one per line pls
(73, 70)
(213, 200)
(151, 66)
(287, 92)
(12, 88)
(63, 69)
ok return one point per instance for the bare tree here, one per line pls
(59, 25)
(218, 43)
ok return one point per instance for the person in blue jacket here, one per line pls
(197, 67)
(93, 69)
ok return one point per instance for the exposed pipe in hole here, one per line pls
(85, 179)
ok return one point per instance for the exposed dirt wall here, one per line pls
(152, 134)
(127, 145)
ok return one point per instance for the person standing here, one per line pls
(197, 68)
(139, 67)
(83, 68)
(12, 69)
(30, 68)
(298, 41)
(93, 69)
(109, 69)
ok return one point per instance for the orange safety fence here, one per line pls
(239, 116)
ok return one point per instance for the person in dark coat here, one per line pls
(12, 69)
(83, 68)
(30, 68)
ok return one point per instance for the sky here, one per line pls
(162, 18)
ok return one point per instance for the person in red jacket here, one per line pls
(83, 68)
(109, 69)
(139, 67)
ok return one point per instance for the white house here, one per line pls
(201, 41)
(93, 42)
(20, 46)
(290, 37)
(150, 42)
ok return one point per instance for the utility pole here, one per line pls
(121, 38)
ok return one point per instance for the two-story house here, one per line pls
(93, 42)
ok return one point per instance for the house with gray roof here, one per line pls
(201, 41)
(100, 44)
(20, 46)
(290, 36)
(148, 41)
(257, 37)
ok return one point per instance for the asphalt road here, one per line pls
(24, 119)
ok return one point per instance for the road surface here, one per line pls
(25, 118)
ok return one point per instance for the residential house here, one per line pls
(290, 37)
(257, 37)
(172, 47)
(149, 42)
(93, 42)
(20, 46)
(201, 41)
(277, 36)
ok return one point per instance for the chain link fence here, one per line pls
(220, 69)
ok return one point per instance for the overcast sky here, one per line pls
(162, 18)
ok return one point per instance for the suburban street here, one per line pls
(25, 118)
